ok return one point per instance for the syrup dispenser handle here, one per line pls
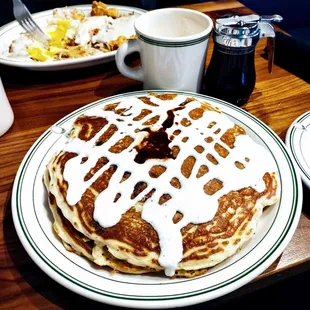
(267, 31)
(271, 18)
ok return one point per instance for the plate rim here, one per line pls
(289, 141)
(67, 62)
(186, 300)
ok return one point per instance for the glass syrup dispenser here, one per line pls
(231, 73)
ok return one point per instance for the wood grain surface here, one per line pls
(39, 99)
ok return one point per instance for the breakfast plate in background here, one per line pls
(298, 142)
(12, 30)
(33, 223)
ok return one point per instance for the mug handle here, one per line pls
(125, 49)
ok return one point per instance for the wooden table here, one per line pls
(40, 99)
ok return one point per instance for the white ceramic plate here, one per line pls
(33, 223)
(12, 30)
(298, 142)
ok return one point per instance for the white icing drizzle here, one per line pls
(190, 200)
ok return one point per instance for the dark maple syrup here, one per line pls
(231, 75)
(156, 143)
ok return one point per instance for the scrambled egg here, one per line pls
(73, 34)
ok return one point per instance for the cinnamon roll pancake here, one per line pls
(158, 183)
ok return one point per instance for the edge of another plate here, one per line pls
(63, 64)
(293, 139)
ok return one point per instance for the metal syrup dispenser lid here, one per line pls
(234, 31)
(237, 31)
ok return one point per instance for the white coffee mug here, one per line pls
(172, 44)
(6, 113)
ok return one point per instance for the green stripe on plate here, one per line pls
(291, 137)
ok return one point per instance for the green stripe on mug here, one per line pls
(171, 44)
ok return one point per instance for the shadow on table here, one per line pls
(15, 75)
(306, 198)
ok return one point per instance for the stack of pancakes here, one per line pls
(153, 138)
